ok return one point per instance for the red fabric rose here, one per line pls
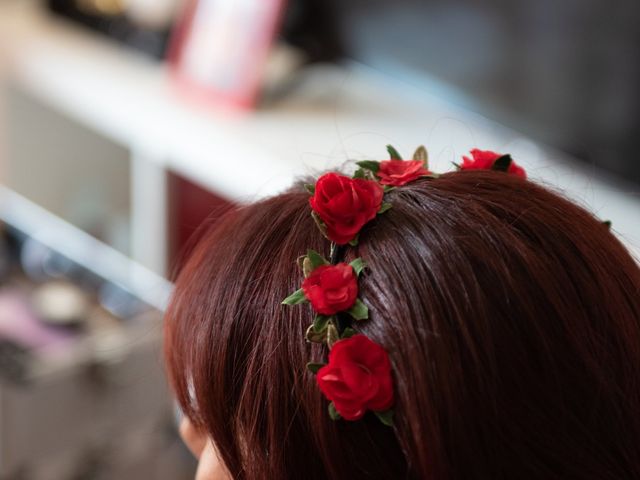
(345, 204)
(400, 172)
(484, 160)
(357, 377)
(331, 288)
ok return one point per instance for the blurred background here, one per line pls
(127, 124)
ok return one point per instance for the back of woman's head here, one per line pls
(511, 317)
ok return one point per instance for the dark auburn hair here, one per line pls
(510, 314)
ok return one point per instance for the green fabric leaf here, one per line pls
(388, 188)
(369, 165)
(347, 333)
(422, 155)
(307, 267)
(312, 336)
(384, 207)
(393, 153)
(359, 311)
(321, 322)
(295, 298)
(316, 259)
(502, 164)
(314, 367)
(300, 260)
(321, 226)
(333, 413)
(359, 173)
(358, 265)
(385, 417)
(354, 241)
(332, 334)
(457, 165)
(311, 188)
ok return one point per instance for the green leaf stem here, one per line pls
(393, 153)
(385, 417)
(358, 265)
(502, 164)
(359, 310)
(333, 413)
(422, 155)
(371, 165)
(295, 298)
(384, 207)
(321, 323)
(314, 367)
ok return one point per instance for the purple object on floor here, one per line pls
(19, 324)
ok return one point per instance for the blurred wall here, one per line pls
(79, 175)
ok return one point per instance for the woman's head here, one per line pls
(511, 317)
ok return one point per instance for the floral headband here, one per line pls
(357, 377)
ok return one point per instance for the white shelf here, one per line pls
(337, 113)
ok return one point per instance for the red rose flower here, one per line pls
(357, 377)
(345, 204)
(331, 288)
(517, 170)
(400, 172)
(484, 160)
(481, 160)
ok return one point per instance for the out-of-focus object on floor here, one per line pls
(142, 24)
(82, 389)
(220, 49)
(60, 303)
(222, 52)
